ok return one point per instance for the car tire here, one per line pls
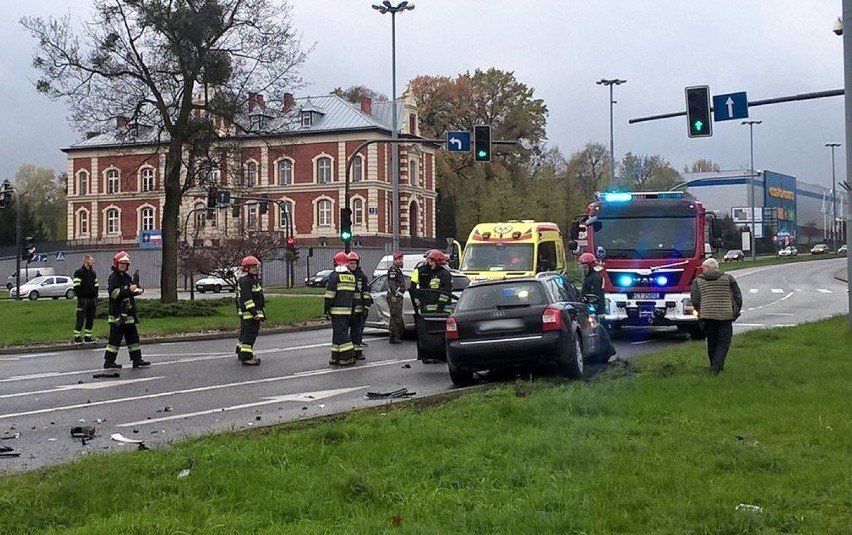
(570, 358)
(33, 295)
(200, 291)
(69, 294)
(8, 285)
(217, 289)
(459, 376)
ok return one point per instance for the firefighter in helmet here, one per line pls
(363, 301)
(250, 308)
(593, 285)
(435, 279)
(340, 306)
(122, 317)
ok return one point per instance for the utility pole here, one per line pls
(833, 197)
(610, 83)
(753, 241)
(847, 83)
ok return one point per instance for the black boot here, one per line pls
(359, 355)
(112, 364)
(394, 340)
(139, 363)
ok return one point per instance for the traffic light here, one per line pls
(482, 143)
(698, 119)
(264, 204)
(346, 225)
(211, 198)
(235, 210)
(29, 251)
(5, 193)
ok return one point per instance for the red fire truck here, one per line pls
(651, 245)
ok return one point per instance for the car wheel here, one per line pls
(570, 359)
(8, 285)
(33, 295)
(217, 289)
(460, 377)
(200, 291)
(69, 294)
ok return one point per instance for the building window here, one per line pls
(83, 183)
(251, 220)
(112, 221)
(83, 223)
(324, 170)
(282, 214)
(112, 181)
(357, 170)
(147, 179)
(357, 212)
(285, 172)
(200, 215)
(251, 174)
(147, 219)
(307, 118)
(412, 172)
(324, 213)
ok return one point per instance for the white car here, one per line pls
(216, 282)
(54, 286)
(409, 262)
(379, 314)
(788, 251)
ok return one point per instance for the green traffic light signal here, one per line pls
(697, 126)
(482, 143)
(345, 235)
(698, 111)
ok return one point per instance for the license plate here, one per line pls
(647, 296)
(500, 325)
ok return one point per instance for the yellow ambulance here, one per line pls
(514, 248)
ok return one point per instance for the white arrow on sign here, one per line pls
(730, 104)
(456, 141)
(302, 397)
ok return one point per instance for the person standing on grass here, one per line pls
(593, 286)
(122, 314)
(250, 306)
(717, 298)
(85, 282)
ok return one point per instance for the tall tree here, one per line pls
(647, 173)
(44, 195)
(355, 93)
(183, 67)
(702, 166)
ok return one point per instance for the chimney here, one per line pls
(252, 101)
(260, 102)
(367, 105)
(121, 121)
(287, 102)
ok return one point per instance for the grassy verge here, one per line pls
(296, 290)
(656, 446)
(775, 260)
(48, 321)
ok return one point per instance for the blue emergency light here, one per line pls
(661, 280)
(617, 196)
(625, 280)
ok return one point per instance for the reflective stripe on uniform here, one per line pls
(342, 347)
(115, 293)
(340, 311)
(111, 349)
(134, 347)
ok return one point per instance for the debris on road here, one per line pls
(6, 451)
(83, 432)
(401, 393)
(106, 375)
(118, 437)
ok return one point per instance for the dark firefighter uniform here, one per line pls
(396, 290)
(122, 319)
(85, 282)
(363, 301)
(593, 285)
(438, 286)
(340, 306)
(250, 308)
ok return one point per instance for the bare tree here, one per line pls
(181, 70)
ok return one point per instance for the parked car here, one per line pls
(379, 314)
(319, 279)
(55, 287)
(222, 279)
(843, 249)
(734, 255)
(409, 262)
(820, 248)
(27, 274)
(788, 251)
(506, 323)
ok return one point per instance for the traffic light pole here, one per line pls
(288, 232)
(18, 234)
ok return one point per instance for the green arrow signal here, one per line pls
(698, 125)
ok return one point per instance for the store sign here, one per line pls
(784, 194)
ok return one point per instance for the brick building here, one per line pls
(296, 153)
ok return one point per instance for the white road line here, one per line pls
(640, 342)
(303, 397)
(753, 290)
(738, 324)
(777, 290)
(823, 291)
(82, 386)
(779, 314)
(201, 389)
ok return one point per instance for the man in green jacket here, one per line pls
(717, 298)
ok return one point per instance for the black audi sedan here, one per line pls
(510, 323)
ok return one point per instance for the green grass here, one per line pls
(654, 446)
(774, 260)
(47, 321)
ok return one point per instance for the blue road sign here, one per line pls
(60, 256)
(458, 141)
(150, 239)
(42, 257)
(223, 197)
(730, 106)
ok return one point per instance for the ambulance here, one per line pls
(514, 248)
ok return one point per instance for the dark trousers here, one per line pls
(397, 326)
(341, 342)
(356, 330)
(129, 334)
(86, 307)
(249, 329)
(719, 334)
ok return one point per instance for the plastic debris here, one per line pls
(118, 437)
(183, 473)
(106, 375)
(401, 393)
(749, 507)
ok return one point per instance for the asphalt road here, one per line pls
(195, 388)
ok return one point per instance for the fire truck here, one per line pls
(651, 246)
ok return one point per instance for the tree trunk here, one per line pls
(171, 213)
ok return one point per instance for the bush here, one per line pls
(148, 308)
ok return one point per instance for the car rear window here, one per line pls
(507, 295)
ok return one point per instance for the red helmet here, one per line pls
(340, 259)
(353, 257)
(437, 256)
(588, 259)
(248, 262)
(120, 258)
(397, 255)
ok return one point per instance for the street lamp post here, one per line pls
(753, 242)
(610, 83)
(387, 7)
(833, 196)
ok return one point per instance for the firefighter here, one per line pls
(250, 307)
(340, 306)
(593, 285)
(86, 289)
(396, 290)
(122, 316)
(363, 301)
(434, 277)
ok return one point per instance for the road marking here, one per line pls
(303, 397)
(753, 290)
(738, 324)
(202, 389)
(779, 314)
(82, 386)
(639, 342)
(823, 291)
(777, 290)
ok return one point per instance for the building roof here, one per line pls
(331, 114)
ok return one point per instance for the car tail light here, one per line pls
(452, 330)
(551, 319)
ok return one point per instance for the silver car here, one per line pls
(55, 287)
(379, 314)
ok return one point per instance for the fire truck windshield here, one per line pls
(498, 257)
(646, 237)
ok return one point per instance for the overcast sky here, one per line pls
(768, 48)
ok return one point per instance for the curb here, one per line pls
(221, 335)
(842, 276)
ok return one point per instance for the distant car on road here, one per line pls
(734, 255)
(820, 248)
(55, 287)
(788, 251)
(319, 279)
(843, 249)
(215, 282)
